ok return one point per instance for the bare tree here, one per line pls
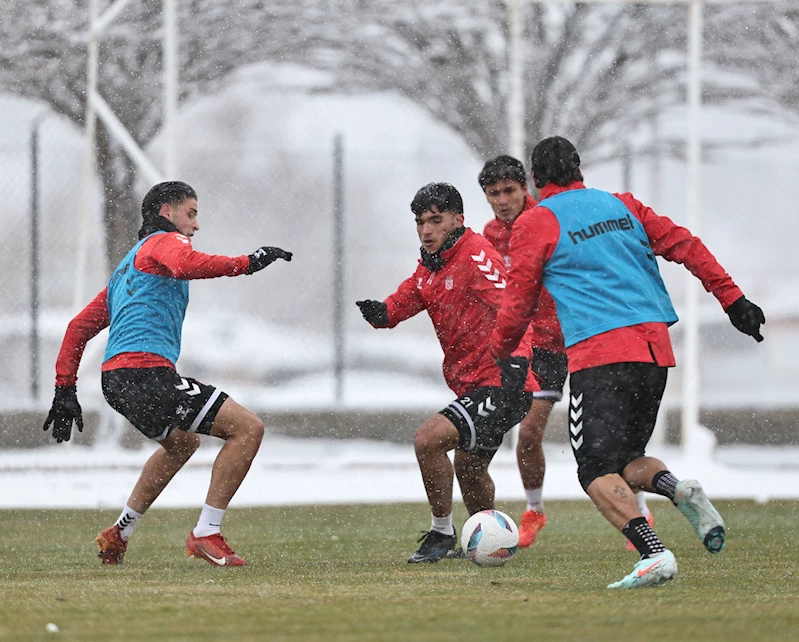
(43, 56)
(595, 73)
(759, 44)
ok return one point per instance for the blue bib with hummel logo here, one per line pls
(147, 310)
(603, 274)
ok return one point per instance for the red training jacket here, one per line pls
(546, 327)
(462, 300)
(168, 254)
(533, 240)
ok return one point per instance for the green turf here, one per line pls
(339, 573)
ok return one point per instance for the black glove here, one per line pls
(514, 375)
(747, 317)
(263, 256)
(375, 312)
(64, 411)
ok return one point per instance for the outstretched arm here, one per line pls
(677, 244)
(401, 305)
(172, 255)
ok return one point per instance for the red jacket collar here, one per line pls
(446, 255)
(550, 189)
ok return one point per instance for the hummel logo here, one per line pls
(485, 265)
(485, 407)
(190, 388)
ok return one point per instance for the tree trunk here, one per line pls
(121, 207)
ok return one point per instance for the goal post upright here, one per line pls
(96, 107)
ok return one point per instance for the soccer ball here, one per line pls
(489, 538)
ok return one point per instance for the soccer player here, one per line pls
(144, 304)
(504, 183)
(595, 252)
(459, 282)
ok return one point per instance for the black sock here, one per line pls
(643, 537)
(664, 483)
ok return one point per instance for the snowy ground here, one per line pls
(292, 472)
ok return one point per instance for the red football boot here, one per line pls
(112, 546)
(530, 523)
(213, 549)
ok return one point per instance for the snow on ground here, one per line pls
(305, 472)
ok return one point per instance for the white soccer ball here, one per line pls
(489, 538)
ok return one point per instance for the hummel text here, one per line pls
(611, 225)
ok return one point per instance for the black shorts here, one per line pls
(552, 368)
(156, 400)
(612, 413)
(483, 416)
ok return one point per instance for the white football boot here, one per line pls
(694, 504)
(650, 571)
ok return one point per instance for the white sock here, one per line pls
(534, 499)
(640, 497)
(210, 521)
(127, 521)
(443, 525)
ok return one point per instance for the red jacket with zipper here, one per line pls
(462, 299)
(546, 327)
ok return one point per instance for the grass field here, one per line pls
(339, 573)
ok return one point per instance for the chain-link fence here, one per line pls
(40, 179)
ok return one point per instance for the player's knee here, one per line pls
(247, 428)
(590, 470)
(529, 438)
(255, 429)
(426, 443)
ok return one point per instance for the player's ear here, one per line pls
(165, 210)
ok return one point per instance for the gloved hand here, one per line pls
(747, 317)
(375, 312)
(263, 256)
(64, 411)
(514, 375)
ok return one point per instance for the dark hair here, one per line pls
(442, 196)
(163, 193)
(555, 160)
(502, 168)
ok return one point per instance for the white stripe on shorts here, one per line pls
(201, 415)
(473, 439)
(164, 434)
